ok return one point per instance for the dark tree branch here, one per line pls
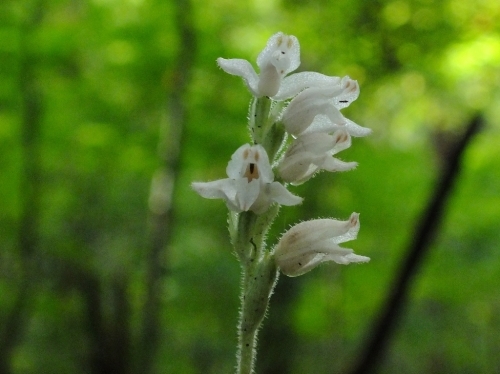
(164, 184)
(12, 328)
(419, 246)
(90, 288)
(108, 333)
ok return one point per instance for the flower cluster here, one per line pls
(297, 129)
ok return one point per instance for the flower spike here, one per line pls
(296, 130)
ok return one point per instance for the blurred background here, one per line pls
(110, 263)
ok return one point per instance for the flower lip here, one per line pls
(250, 162)
(252, 172)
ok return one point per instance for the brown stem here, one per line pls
(120, 327)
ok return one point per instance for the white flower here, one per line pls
(317, 108)
(250, 185)
(280, 57)
(308, 244)
(313, 152)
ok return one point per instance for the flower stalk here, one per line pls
(258, 281)
(296, 128)
(259, 112)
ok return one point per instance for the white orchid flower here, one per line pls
(310, 243)
(311, 153)
(280, 57)
(317, 107)
(250, 185)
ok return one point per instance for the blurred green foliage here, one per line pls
(84, 92)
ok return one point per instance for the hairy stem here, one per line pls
(259, 275)
(259, 115)
(258, 280)
(248, 232)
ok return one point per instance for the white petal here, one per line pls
(298, 121)
(314, 96)
(293, 267)
(304, 235)
(328, 229)
(269, 81)
(322, 124)
(219, 189)
(342, 140)
(246, 155)
(262, 160)
(302, 110)
(311, 152)
(273, 192)
(294, 54)
(295, 83)
(308, 174)
(236, 166)
(300, 167)
(353, 258)
(346, 259)
(265, 55)
(293, 167)
(352, 233)
(315, 143)
(333, 114)
(287, 46)
(349, 94)
(334, 164)
(329, 248)
(281, 195)
(241, 68)
(356, 130)
(246, 193)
